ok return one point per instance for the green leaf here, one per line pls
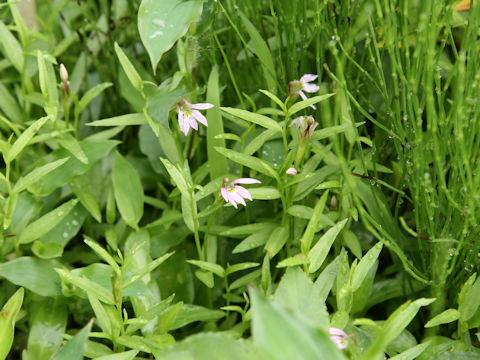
(253, 241)
(258, 119)
(122, 120)
(249, 161)
(130, 71)
(299, 259)
(100, 314)
(76, 346)
(297, 293)
(48, 250)
(283, 335)
(103, 254)
(264, 193)
(275, 242)
(240, 267)
(90, 95)
(364, 266)
(325, 280)
(218, 163)
(35, 175)
(255, 145)
(128, 191)
(82, 189)
(127, 355)
(48, 320)
(72, 145)
(11, 48)
(47, 222)
(160, 101)
(36, 275)
(177, 177)
(94, 150)
(162, 22)
(208, 346)
(87, 285)
(275, 99)
(214, 268)
(7, 321)
(262, 51)
(332, 130)
(306, 103)
(444, 317)
(320, 250)
(48, 82)
(412, 353)
(23, 139)
(8, 104)
(191, 313)
(392, 328)
(312, 225)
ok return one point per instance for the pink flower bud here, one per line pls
(63, 73)
(292, 171)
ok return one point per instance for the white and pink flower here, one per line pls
(234, 194)
(339, 337)
(188, 115)
(297, 87)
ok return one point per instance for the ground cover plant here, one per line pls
(188, 179)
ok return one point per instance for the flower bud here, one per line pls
(291, 171)
(63, 73)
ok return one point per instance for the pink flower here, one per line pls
(188, 115)
(291, 171)
(306, 125)
(234, 193)
(339, 337)
(297, 87)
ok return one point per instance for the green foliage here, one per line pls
(344, 135)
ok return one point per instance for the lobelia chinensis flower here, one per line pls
(306, 125)
(188, 115)
(339, 337)
(297, 87)
(234, 194)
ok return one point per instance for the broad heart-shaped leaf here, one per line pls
(76, 346)
(7, 321)
(162, 22)
(36, 275)
(208, 346)
(283, 335)
(128, 190)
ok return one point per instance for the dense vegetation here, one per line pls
(256, 179)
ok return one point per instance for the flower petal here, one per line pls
(243, 192)
(202, 106)
(231, 199)
(224, 193)
(308, 77)
(336, 331)
(302, 95)
(246, 181)
(311, 88)
(193, 124)
(237, 197)
(198, 115)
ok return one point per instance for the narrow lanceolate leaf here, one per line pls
(177, 177)
(127, 66)
(444, 317)
(36, 174)
(312, 226)
(319, 252)
(205, 265)
(90, 95)
(7, 322)
(76, 346)
(72, 145)
(162, 22)
(306, 103)
(11, 48)
(122, 120)
(394, 325)
(128, 190)
(23, 139)
(47, 222)
(249, 161)
(258, 119)
(103, 254)
(364, 266)
(275, 242)
(87, 285)
(217, 162)
(260, 48)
